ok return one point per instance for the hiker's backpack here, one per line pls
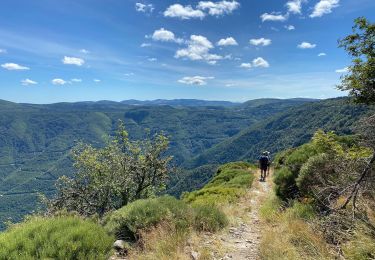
(264, 160)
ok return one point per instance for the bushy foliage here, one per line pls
(55, 238)
(228, 185)
(110, 177)
(140, 215)
(319, 168)
(360, 46)
(285, 184)
(209, 218)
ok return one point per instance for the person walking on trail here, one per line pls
(263, 165)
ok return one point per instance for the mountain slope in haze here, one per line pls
(289, 128)
(35, 140)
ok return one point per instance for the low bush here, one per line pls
(227, 186)
(55, 238)
(209, 218)
(127, 222)
(285, 184)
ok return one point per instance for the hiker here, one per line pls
(263, 165)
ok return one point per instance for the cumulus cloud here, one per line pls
(322, 54)
(3, 51)
(144, 8)
(260, 62)
(275, 17)
(289, 27)
(97, 80)
(183, 12)
(246, 65)
(230, 41)
(28, 82)
(294, 6)
(59, 82)
(324, 7)
(144, 45)
(14, 66)
(203, 9)
(76, 80)
(165, 36)
(218, 8)
(260, 42)
(196, 80)
(306, 45)
(198, 49)
(73, 61)
(343, 70)
(129, 74)
(152, 59)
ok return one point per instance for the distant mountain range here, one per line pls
(35, 140)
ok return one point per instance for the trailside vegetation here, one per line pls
(110, 177)
(60, 237)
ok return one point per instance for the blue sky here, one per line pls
(75, 50)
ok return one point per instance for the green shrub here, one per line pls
(285, 184)
(228, 185)
(209, 218)
(55, 238)
(127, 222)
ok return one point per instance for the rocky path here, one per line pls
(243, 238)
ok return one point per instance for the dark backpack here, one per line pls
(263, 160)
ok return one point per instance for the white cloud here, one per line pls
(343, 70)
(144, 45)
(129, 74)
(322, 54)
(152, 59)
(84, 51)
(144, 8)
(27, 82)
(260, 62)
(260, 41)
(97, 80)
(198, 49)
(14, 66)
(294, 6)
(246, 65)
(183, 12)
(218, 8)
(289, 27)
(165, 36)
(59, 82)
(76, 80)
(306, 45)
(324, 7)
(230, 41)
(3, 51)
(73, 61)
(196, 80)
(276, 17)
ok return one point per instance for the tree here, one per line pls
(110, 177)
(360, 80)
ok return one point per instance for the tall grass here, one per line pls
(288, 235)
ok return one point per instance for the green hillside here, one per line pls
(289, 128)
(35, 140)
